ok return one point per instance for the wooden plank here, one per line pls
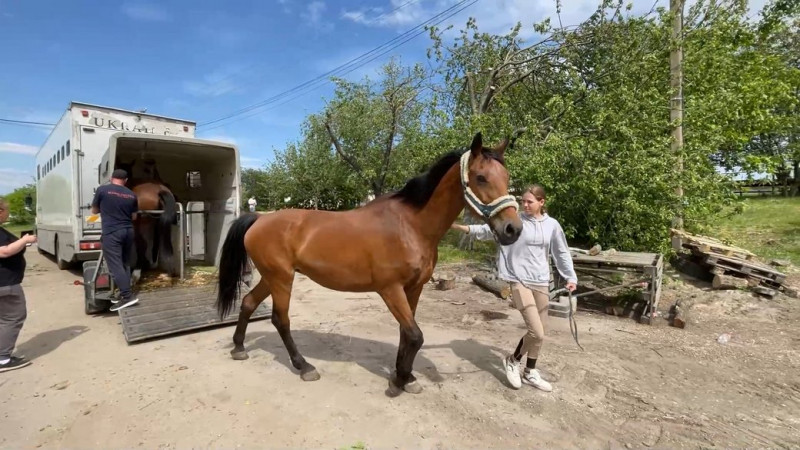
(618, 258)
(745, 267)
(708, 244)
(752, 277)
(169, 311)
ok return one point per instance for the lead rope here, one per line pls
(573, 325)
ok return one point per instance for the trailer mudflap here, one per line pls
(173, 310)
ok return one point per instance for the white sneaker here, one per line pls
(512, 371)
(534, 378)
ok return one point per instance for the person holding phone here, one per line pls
(13, 310)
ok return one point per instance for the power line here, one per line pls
(26, 122)
(352, 64)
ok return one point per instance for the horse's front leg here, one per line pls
(411, 340)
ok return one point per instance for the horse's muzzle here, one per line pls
(508, 232)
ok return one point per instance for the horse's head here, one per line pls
(485, 181)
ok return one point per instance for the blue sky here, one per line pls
(202, 60)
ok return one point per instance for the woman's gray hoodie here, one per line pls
(525, 261)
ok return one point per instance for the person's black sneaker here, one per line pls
(124, 303)
(14, 363)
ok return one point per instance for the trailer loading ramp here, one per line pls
(169, 311)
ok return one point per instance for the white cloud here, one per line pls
(397, 13)
(498, 16)
(214, 84)
(11, 179)
(21, 149)
(248, 162)
(144, 12)
(312, 17)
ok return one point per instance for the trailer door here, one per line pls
(93, 166)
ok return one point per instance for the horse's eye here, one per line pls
(481, 179)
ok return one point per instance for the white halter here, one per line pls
(484, 210)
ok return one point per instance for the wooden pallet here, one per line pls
(709, 245)
(746, 268)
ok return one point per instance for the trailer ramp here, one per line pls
(169, 311)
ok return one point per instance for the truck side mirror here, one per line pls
(28, 202)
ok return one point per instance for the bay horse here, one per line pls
(153, 230)
(388, 246)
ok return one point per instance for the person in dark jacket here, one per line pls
(117, 206)
(12, 299)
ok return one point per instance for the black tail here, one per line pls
(232, 263)
(168, 218)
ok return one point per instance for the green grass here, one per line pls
(17, 229)
(449, 252)
(768, 227)
(357, 446)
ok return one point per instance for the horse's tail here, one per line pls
(167, 219)
(233, 262)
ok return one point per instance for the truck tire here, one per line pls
(91, 305)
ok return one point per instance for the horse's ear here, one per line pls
(477, 144)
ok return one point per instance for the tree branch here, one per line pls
(347, 158)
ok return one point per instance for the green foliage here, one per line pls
(18, 213)
(595, 100)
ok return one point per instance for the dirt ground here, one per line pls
(634, 385)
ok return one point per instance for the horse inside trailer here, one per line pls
(203, 177)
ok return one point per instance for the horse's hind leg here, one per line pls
(249, 304)
(281, 294)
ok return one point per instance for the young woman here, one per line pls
(12, 300)
(525, 264)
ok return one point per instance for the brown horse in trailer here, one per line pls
(388, 246)
(153, 229)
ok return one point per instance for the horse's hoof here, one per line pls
(392, 390)
(311, 375)
(240, 355)
(413, 387)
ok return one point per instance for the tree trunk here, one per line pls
(728, 282)
(679, 314)
(498, 287)
(676, 103)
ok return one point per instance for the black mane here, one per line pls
(419, 189)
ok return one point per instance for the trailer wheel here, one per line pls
(91, 304)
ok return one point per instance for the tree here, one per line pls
(376, 129)
(19, 213)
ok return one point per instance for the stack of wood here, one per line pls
(731, 267)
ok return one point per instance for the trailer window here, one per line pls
(63, 155)
(38, 172)
(193, 179)
(67, 147)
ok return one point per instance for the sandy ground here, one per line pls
(635, 385)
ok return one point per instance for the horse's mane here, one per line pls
(418, 190)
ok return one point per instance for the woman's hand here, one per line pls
(29, 239)
(571, 286)
(462, 228)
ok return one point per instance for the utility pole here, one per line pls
(676, 102)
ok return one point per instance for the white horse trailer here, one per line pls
(80, 154)
(68, 167)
